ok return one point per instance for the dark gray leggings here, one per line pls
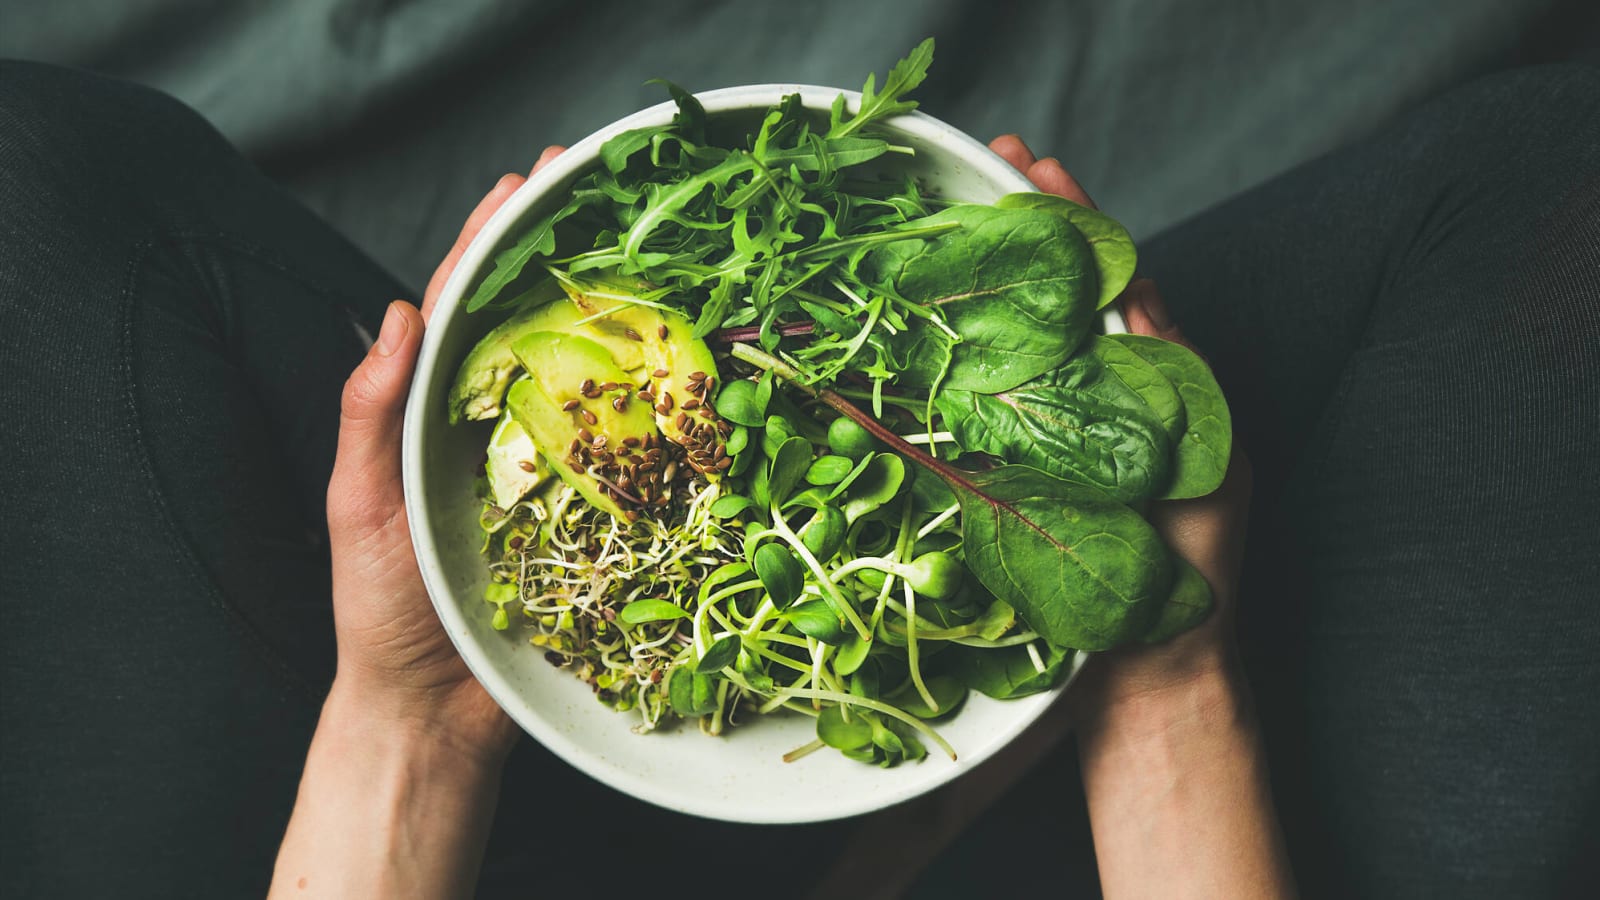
(1408, 330)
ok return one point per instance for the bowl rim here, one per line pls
(569, 164)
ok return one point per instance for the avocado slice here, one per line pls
(682, 372)
(598, 440)
(481, 381)
(515, 466)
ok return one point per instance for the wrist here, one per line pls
(1136, 697)
(473, 738)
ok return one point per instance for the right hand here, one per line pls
(1207, 531)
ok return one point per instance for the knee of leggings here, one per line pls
(69, 135)
(1508, 196)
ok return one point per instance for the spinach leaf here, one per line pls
(1017, 286)
(1187, 605)
(1141, 377)
(1081, 569)
(1200, 457)
(1114, 254)
(1074, 423)
(1008, 672)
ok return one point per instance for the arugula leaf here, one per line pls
(876, 105)
(540, 240)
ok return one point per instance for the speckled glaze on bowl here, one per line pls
(739, 776)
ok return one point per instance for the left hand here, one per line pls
(395, 661)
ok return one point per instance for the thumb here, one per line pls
(365, 491)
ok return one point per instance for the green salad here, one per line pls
(776, 429)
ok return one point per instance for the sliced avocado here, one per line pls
(671, 356)
(596, 465)
(483, 376)
(515, 466)
(482, 379)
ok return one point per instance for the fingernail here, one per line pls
(393, 331)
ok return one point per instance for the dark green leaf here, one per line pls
(726, 507)
(1142, 377)
(1187, 604)
(948, 692)
(614, 154)
(647, 610)
(539, 240)
(996, 619)
(850, 440)
(815, 618)
(825, 533)
(1005, 673)
(720, 655)
(1200, 458)
(1114, 254)
(1080, 568)
(876, 105)
(1017, 285)
(780, 573)
(691, 693)
(876, 485)
(829, 469)
(834, 731)
(789, 465)
(1077, 422)
(736, 402)
(852, 653)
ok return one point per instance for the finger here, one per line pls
(364, 493)
(1011, 149)
(497, 196)
(547, 157)
(1147, 313)
(1049, 176)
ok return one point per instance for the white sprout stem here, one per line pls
(927, 437)
(875, 706)
(804, 750)
(800, 549)
(938, 520)
(911, 649)
(1033, 654)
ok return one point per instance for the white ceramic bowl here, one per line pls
(740, 776)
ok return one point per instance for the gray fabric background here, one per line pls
(391, 118)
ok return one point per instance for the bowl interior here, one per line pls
(739, 776)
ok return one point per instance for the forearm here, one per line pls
(1178, 793)
(385, 809)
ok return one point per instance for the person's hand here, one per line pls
(395, 661)
(1207, 531)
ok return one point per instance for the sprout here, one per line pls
(935, 574)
